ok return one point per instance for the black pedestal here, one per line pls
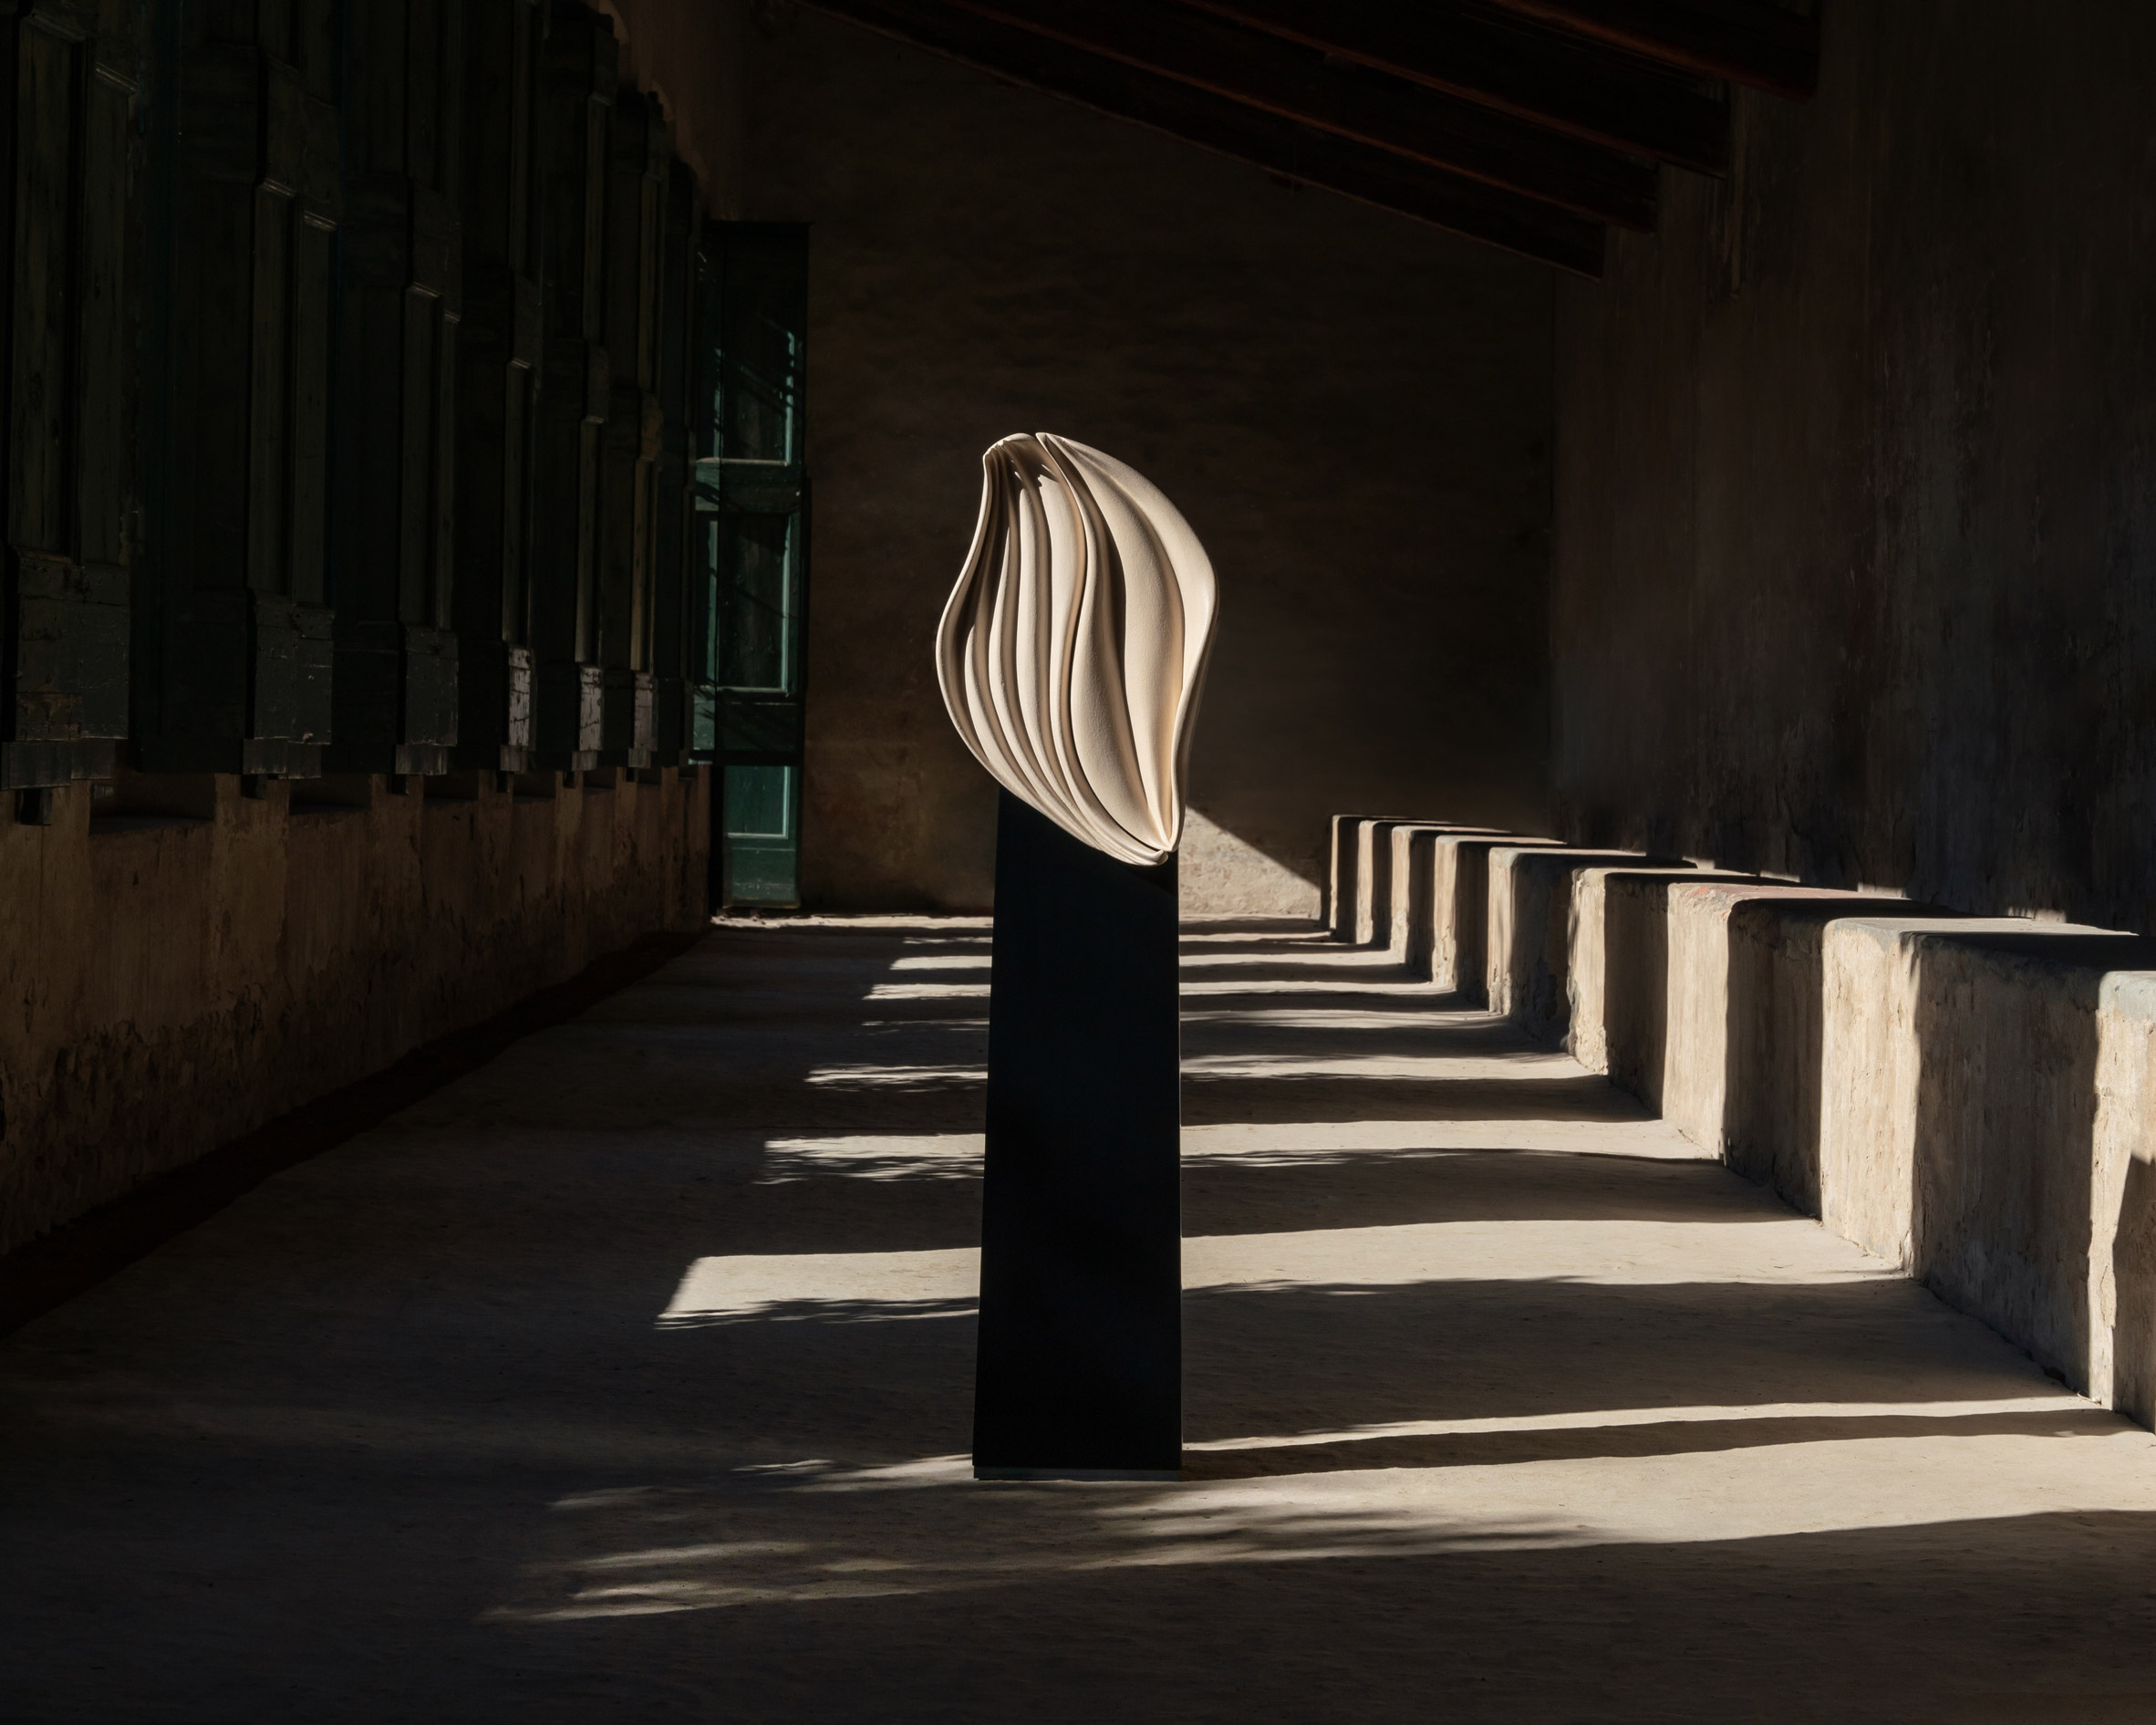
(1080, 1368)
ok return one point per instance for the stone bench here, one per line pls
(1984, 1123)
(1528, 969)
(1620, 975)
(1459, 912)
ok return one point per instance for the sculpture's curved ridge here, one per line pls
(1072, 648)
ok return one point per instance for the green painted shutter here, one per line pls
(234, 674)
(67, 333)
(498, 371)
(671, 512)
(577, 94)
(751, 528)
(398, 316)
(637, 156)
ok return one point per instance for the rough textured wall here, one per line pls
(173, 984)
(1855, 504)
(692, 54)
(1351, 409)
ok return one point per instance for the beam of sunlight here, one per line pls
(927, 991)
(876, 1076)
(1377, 982)
(1316, 1141)
(938, 1156)
(1314, 958)
(921, 1156)
(869, 1286)
(1599, 1419)
(863, 1286)
(1613, 1253)
(1418, 1068)
(926, 1528)
(1417, 1018)
(966, 960)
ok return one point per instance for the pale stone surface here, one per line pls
(1740, 1067)
(1966, 1131)
(1528, 965)
(2122, 1223)
(1218, 873)
(1343, 873)
(1373, 881)
(628, 1380)
(1619, 978)
(1460, 912)
(1413, 882)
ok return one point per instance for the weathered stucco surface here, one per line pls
(171, 983)
(1351, 408)
(1969, 1099)
(1959, 1103)
(1742, 1042)
(1460, 912)
(1528, 960)
(1854, 494)
(1619, 977)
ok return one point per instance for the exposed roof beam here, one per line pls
(1754, 42)
(1297, 83)
(1552, 77)
(1233, 128)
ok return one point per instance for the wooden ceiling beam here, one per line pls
(1298, 83)
(1550, 77)
(1280, 146)
(1752, 42)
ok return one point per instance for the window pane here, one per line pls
(756, 601)
(762, 847)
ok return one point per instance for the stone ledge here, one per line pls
(1621, 976)
(1527, 974)
(1459, 911)
(1984, 1123)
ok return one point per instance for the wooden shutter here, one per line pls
(577, 92)
(398, 319)
(67, 338)
(497, 370)
(238, 623)
(671, 512)
(635, 222)
(752, 508)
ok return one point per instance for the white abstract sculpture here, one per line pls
(1073, 648)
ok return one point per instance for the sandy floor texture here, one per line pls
(628, 1379)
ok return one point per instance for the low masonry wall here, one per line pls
(1971, 1098)
(1620, 970)
(178, 974)
(1529, 965)
(1459, 912)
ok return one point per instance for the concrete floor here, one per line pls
(628, 1379)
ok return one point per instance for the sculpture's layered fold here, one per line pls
(1072, 648)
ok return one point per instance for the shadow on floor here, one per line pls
(1495, 1417)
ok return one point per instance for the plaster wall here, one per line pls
(1855, 492)
(1351, 409)
(175, 980)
